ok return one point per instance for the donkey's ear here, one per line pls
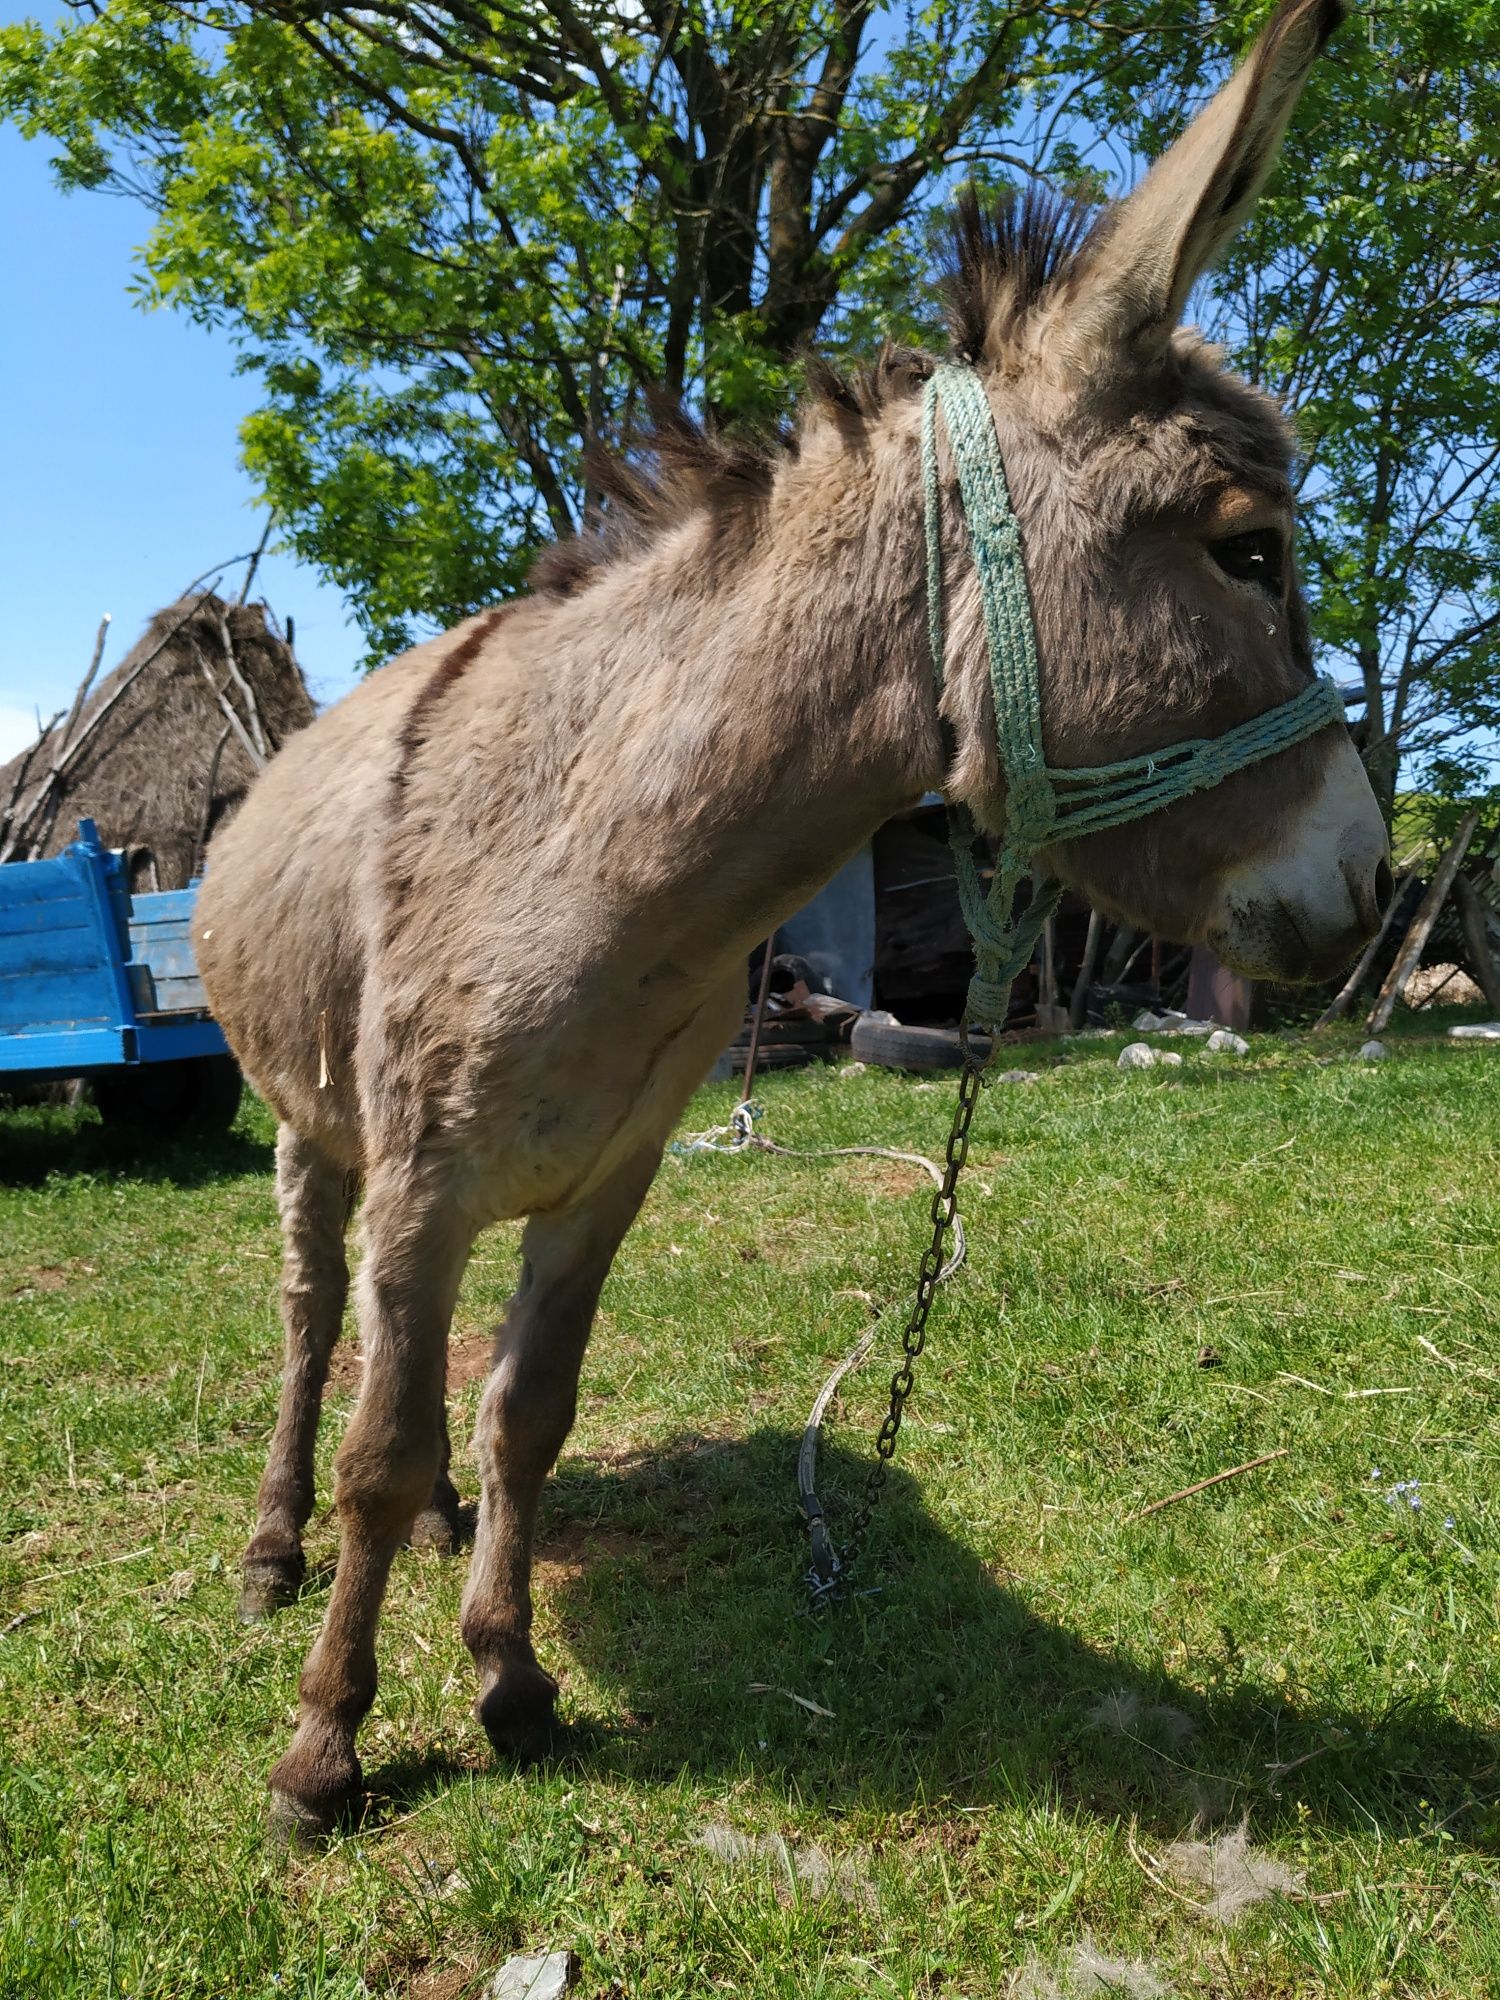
(1134, 284)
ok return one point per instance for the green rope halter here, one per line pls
(1043, 805)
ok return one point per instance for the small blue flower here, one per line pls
(1448, 1521)
(1414, 1500)
(1374, 1471)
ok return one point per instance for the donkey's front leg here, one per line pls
(315, 1195)
(415, 1244)
(526, 1414)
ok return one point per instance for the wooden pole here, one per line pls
(247, 693)
(1427, 914)
(230, 714)
(83, 688)
(18, 783)
(1049, 965)
(260, 549)
(1078, 1000)
(1119, 953)
(200, 846)
(752, 1054)
(1051, 1015)
(1341, 1000)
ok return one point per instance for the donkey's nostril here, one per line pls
(1385, 887)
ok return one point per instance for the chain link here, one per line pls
(828, 1580)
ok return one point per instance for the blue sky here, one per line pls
(118, 431)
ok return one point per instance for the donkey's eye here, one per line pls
(1257, 557)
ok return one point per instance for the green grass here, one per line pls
(1038, 1695)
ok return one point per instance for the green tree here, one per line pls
(457, 237)
(1365, 294)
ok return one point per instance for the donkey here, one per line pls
(479, 932)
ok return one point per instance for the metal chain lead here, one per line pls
(828, 1581)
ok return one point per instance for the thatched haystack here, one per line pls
(165, 746)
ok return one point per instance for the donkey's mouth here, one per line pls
(1272, 940)
(1304, 909)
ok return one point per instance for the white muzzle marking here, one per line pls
(1303, 908)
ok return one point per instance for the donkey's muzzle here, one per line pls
(1304, 909)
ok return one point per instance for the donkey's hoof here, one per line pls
(438, 1529)
(519, 1713)
(307, 1811)
(270, 1583)
(305, 1826)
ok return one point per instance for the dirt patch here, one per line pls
(566, 1551)
(36, 1278)
(794, 1243)
(346, 1369)
(885, 1177)
(470, 1348)
(441, 1985)
(471, 1351)
(666, 1464)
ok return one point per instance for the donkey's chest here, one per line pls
(551, 1114)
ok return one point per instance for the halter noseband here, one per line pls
(1043, 805)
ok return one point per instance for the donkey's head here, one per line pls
(1153, 490)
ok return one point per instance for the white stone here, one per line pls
(852, 1069)
(1224, 1041)
(1136, 1055)
(547, 1977)
(1476, 1031)
(1019, 1076)
(1373, 1052)
(1147, 1022)
(1170, 1058)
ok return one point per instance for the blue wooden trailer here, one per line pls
(100, 984)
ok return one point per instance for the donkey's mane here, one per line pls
(1003, 257)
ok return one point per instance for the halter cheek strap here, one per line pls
(1042, 804)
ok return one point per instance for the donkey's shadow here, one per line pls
(674, 1578)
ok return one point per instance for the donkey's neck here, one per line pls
(774, 703)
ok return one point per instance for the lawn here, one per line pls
(1244, 1745)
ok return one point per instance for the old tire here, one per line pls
(201, 1094)
(890, 1046)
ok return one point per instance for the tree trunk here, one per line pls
(1422, 923)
